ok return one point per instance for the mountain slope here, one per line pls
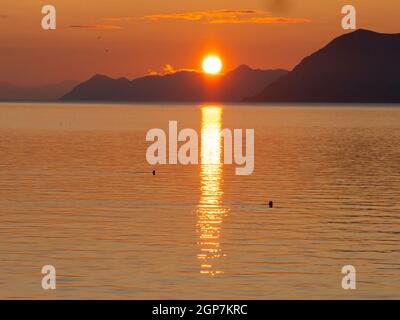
(362, 66)
(180, 86)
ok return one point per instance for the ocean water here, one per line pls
(76, 192)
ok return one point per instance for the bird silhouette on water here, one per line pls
(270, 204)
(154, 172)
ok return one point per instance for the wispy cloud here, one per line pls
(262, 20)
(167, 69)
(3, 16)
(97, 26)
(226, 17)
(119, 19)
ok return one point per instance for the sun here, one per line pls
(212, 64)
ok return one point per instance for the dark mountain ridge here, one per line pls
(179, 86)
(361, 66)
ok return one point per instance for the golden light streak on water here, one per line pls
(210, 211)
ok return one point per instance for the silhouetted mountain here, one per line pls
(362, 66)
(51, 92)
(179, 86)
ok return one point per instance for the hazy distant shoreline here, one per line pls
(197, 104)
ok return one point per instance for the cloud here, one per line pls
(97, 26)
(167, 69)
(225, 17)
(262, 20)
(119, 19)
(200, 15)
(3, 16)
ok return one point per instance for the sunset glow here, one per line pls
(212, 64)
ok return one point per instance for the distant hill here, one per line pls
(361, 66)
(51, 92)
(176, 87)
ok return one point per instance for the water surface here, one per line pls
(76, 192)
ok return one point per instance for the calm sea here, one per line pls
(76, 192)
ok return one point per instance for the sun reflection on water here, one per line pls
(210, 211)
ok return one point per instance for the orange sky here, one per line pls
(134, 37)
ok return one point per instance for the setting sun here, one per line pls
(212, 64)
